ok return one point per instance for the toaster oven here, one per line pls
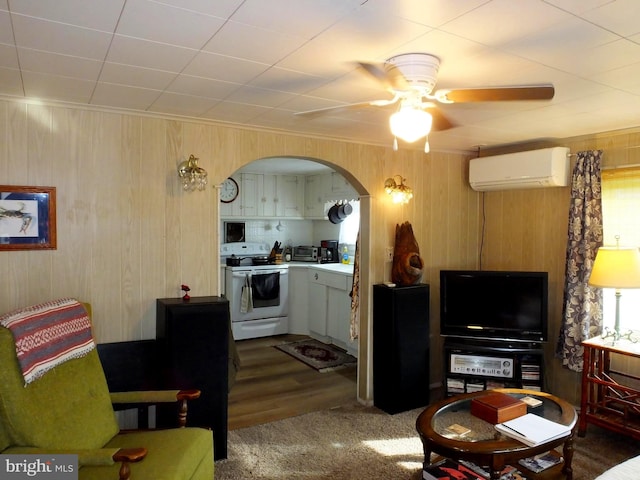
(305, 254)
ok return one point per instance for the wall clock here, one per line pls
(229, 191)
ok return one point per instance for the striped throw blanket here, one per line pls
(49, 334)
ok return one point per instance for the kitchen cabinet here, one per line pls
(250, 186)
(233, 209)
(289, 196)
(298, 300)
(330, 308)
(341, 189)
(267, 196)
(315, 195)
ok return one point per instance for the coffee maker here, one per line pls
(329, 251)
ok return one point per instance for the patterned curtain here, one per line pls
(354, 324)
(582, 309)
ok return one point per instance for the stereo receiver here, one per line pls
(501, 367)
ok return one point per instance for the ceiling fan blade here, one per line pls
(496, 94)
(349, 106)
(391, 79)
(440, 121)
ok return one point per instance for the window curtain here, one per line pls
(582, 307)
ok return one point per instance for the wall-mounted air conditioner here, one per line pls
(548, 167)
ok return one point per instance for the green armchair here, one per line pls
(70, 410)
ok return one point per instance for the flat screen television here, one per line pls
(495, 305)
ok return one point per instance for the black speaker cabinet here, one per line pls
(193, 345)
(400, 347)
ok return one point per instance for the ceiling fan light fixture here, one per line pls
(410, 123)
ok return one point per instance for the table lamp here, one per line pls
(616, 267)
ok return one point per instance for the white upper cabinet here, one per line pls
(316, 190)
(289, 197)
(267, 196)
(341, 189)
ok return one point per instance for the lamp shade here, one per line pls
(616, 268)
(410, 123)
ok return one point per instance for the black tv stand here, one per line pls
(473, 364)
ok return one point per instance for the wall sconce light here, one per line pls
(410, 123)
(399, 192)
(193, 177)
(616, 267)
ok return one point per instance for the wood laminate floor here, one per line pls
(272, 385)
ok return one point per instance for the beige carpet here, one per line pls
(357, 442)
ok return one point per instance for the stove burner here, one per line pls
(262, 260)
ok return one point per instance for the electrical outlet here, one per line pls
(389, 254)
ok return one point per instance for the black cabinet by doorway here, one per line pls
(193, 345)
(400, 347)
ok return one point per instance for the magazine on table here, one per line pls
(539, 463)
(532, 430)
(507, 473)
(449, 469)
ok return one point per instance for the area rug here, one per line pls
(318, 355)
(359, 442)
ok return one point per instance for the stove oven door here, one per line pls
(270, 293)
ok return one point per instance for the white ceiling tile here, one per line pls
(96, 14)
(504, 21)
(302, 55)
(219, 8)
(303, 18)
(234, 112)
(624, 78)
(143, 53)
(285, 80)
(6, 30)
(578, 7)
(575, 35)
(352, 88)
(219, 67)
(60, 38)
(61, 65)
(426, 12)
(43, 86)
(121, 96)
(362, 36)
(118, 73)
(202, 87)
(182, 104)
(252, 43)
(614, 16)
(258, 96)
(11, 82)
(8, 56)
(166, 24)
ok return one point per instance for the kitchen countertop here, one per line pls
(330, 267)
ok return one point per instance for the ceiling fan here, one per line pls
(411, 78)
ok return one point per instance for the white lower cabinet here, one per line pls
(330, 308)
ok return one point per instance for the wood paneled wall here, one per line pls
(527, 230)
(128, 234)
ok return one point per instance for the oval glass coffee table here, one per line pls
(484, 445)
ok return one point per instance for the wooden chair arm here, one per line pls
(127, 456)
(153, 396)
(159, 396)
(188, 394)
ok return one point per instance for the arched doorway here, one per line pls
(301, 165)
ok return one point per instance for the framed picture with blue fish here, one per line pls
(27, 218)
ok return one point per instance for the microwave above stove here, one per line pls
(305, 254)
